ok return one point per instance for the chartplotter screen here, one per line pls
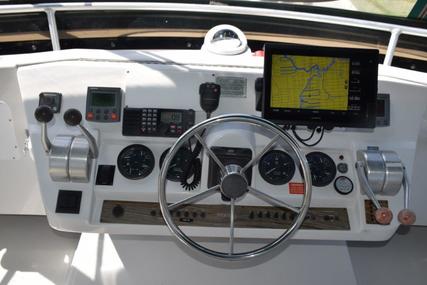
(320, 86)
(310, 82)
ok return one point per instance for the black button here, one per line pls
(106, 117)
(342, 167)
(98, 111)
(118, 211)
(106, 111)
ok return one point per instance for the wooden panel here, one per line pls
(125, 212)
(370, 210)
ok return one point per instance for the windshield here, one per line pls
(398, 8)
(409, 9)
(385, 25)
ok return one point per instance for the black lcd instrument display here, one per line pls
(320, 86)
(101, 99)
(171, 117)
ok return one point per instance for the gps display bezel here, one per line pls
(368, 84)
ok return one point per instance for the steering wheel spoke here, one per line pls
(271, 200)
(210, 153)
(194, 198)
(257, 157)
(231, 242)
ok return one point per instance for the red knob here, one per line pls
(406, 217)
(383, 216)
(259, 53)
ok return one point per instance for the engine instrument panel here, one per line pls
(159, 103)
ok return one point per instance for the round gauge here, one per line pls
(322, 167)
(343, 185)
(176, 167)
(135, 161)
(276, 167)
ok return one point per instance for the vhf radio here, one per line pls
(154, 122)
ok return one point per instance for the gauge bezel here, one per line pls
(314, 182)
(169, 176)
(336, 188)
(143, 148)
(263, 175)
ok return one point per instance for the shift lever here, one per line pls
(73, 117)
(44, 115)
(382, 215)
(406, 216)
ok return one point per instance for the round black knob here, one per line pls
(43, 114)
(72, 117)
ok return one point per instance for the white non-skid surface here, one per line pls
(32, 253)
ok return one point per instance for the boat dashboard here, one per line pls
(102, 123)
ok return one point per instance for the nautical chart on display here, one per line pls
(304, 82)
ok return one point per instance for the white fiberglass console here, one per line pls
(105, 121)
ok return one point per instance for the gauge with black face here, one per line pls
(135, 161)
(322, 167)
(276, 167)
(179, 161)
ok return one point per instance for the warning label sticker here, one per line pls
(232, 86)
(296, 188)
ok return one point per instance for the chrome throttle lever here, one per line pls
(44, 115)
(73, 117)
(382, 215)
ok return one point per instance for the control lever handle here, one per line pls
(44, 115)
(406, 216)
(382, 215)
(73, 117)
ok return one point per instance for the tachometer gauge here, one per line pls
(135, 161)
(322, 167)
(276, 167)
(176, 167)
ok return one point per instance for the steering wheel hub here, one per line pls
(233, 184)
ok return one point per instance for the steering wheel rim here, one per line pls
(279, 134)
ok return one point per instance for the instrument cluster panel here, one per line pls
(138, 96)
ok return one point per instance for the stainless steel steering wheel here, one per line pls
(234, 185)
